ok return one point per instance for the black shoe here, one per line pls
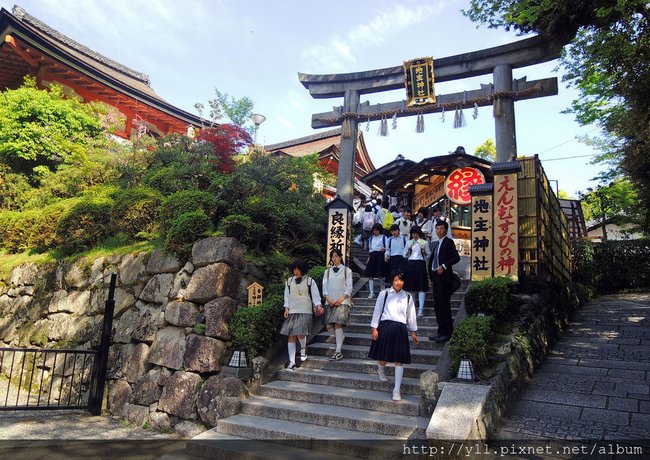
(441, 338)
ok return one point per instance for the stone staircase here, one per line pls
(331, 409)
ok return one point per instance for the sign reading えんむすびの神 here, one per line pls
(506, 224)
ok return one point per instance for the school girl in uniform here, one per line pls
(416, 253)
(395, 252)
(376, 265)
(337, 289)
(392, 319)
(301, 302)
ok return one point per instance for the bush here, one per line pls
(185, 230)
(85, 224)
(316, 273)
(472, 339)
(491, 295)
(255, 329)
(274, 267)
(244, 229)
(136, 210)
(166, 180)
(183, 202)
(582, 254)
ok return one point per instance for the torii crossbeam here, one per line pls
(502, 93)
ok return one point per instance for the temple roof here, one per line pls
(44, 47)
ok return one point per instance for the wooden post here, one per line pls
(504, 115)
(349, 139)
(100, 366)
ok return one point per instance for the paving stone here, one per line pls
(568, 398)
(623, 404)
(641, 421)
(633, 388)
(607, 416)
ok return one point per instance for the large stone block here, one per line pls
(26, 274)
(119, 392)
(189, 430)
(124, 326)
(75, 275)
(179, 395)
(218, 314)
(132, 268)
(75, 302)
(123, 301)
(157, 289)
(148, 388)
(213, 281)
(181, 281)
(168, 348)
(220, 397)
(136, 414)
(137, 362)
(161, 261)
(150, 319)
(159, 421)
(183, 314)
(203, 354)
(118, 360)
(218, 249)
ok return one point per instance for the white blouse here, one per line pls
(399, 307)
(416, 250)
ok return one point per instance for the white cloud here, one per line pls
(341, 51)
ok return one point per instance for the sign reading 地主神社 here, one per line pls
(338, 228)
(458, 183)
(418, 78)
(506, 221)
(482, 236)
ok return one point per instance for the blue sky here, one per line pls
(256, 48)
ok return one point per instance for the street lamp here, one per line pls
(257, 120)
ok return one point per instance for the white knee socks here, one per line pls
(339, 339)
(292, 351)
(371, 286)
(399, 372)
(421, 298)
(303, 345)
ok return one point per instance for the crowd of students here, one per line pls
(410, 255)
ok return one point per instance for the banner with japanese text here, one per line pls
(506, 226)
(459, 181)
(338, 232)
(482, 242)
(430, 194)
(418, 78)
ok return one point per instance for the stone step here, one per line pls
(364, 328)
(342, 379)
(422, 321)
(347, 418)
(363, 366)
(370, 309)
(364, 339)
(418, 355)
(212, 444)
(345, 397)
(322, 438)
(362, 295)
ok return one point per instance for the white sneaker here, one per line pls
(420, 313)
(396, 395)
(291, 366)
(371, 295)
(303, 355)
(381, 372)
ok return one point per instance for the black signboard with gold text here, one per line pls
(418, 77)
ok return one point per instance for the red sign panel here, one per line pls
(458, 182)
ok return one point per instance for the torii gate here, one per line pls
(501, 93)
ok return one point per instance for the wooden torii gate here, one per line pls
(499, 61)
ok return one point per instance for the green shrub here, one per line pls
(186, 201)
(85, 224)
(317, 273)
(256, 328)
(491, 295)
(472, 339)
(185, 230)
(244, 229)
(166, 180)
(136, 210)
(274, 267)
(582, 253)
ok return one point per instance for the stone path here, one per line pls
(595, 384)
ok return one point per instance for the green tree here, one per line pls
(238, 110)
(616, 201)
(43, 128)
(487, 150)
(607, 60)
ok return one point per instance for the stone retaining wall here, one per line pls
(170, 331)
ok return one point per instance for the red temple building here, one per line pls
(30, 47)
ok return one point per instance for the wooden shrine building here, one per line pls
(327, 145)
(30, 47)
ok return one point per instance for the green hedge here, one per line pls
(243, 228)
(136, 210)
(255, 329)
(613, 265)
(85, 224)
(491, 295)
(186, 201)
(472, 339)
(185, 230)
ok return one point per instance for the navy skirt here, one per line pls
(376, 265)
(416, 276)
(393, 343)
(395, 264)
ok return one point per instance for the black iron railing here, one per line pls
(32, 378)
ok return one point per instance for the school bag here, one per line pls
(389, 219)
(368, 220)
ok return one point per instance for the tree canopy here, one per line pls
(607, 59)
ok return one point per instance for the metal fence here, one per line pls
(38, 379)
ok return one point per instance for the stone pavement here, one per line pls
(595, 384)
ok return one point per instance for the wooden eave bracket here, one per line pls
(24, 54)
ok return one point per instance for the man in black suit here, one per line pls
(443, 256)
